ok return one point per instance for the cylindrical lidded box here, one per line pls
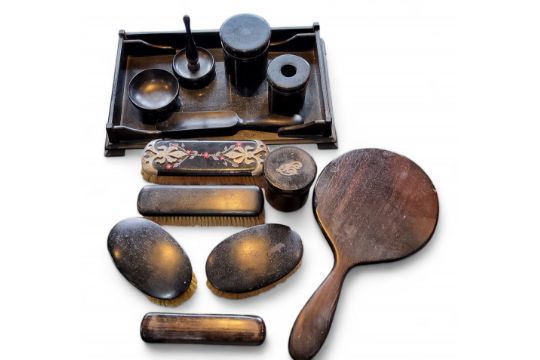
(287, 76)
(245, 39)
(289, 172)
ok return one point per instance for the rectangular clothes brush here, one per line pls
(203, 162)
(205, 205)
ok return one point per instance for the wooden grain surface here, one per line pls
(150, 258)
(254, 258)
(203, 329)
(207, 200)
(372, 206)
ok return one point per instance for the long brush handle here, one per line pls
(271, 121)
(313, 323)
(207, 121)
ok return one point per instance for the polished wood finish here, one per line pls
(204, 158)
(254, 259)
(203, 329)
(204, 200)
(150, 258)
(373, 206)
(289, 172)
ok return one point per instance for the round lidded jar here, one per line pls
(245, 39)
(287, 77)
(289, 172)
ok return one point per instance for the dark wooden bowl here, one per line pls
(154, 91)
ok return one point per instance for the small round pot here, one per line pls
(289, 172)
(287, 77)
(245, 40)
(154, 92)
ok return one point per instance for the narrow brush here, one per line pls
(186, 162)
(204, 205)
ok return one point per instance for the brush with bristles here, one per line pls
(215, 220)
(185, 296)
(248, 294)
(188, 162)
(152, 261)
(253, 261)
(203, 205)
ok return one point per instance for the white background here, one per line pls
(454, 85)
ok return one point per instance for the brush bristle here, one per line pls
(244, 295)
(240, 221)
(202, 180)
(186, 295)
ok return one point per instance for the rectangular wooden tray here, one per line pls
(139, 51)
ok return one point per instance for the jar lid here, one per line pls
(290, 170)
(288, 72)
(245, 35)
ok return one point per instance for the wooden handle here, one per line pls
(191, 49)
(313, 323)
(271, 121)
(203, 329)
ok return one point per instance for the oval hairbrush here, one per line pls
(372, 206)
(253, 261)
(152, 261)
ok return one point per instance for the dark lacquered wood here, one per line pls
(373, 206)
(245, 39)
(203, 329)
(289, 172)
(149, 258)
(287, 76)
(193, 66)
(203, 158)
(153, 91)
(137, 51)
(254, 258)
(194, 200)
